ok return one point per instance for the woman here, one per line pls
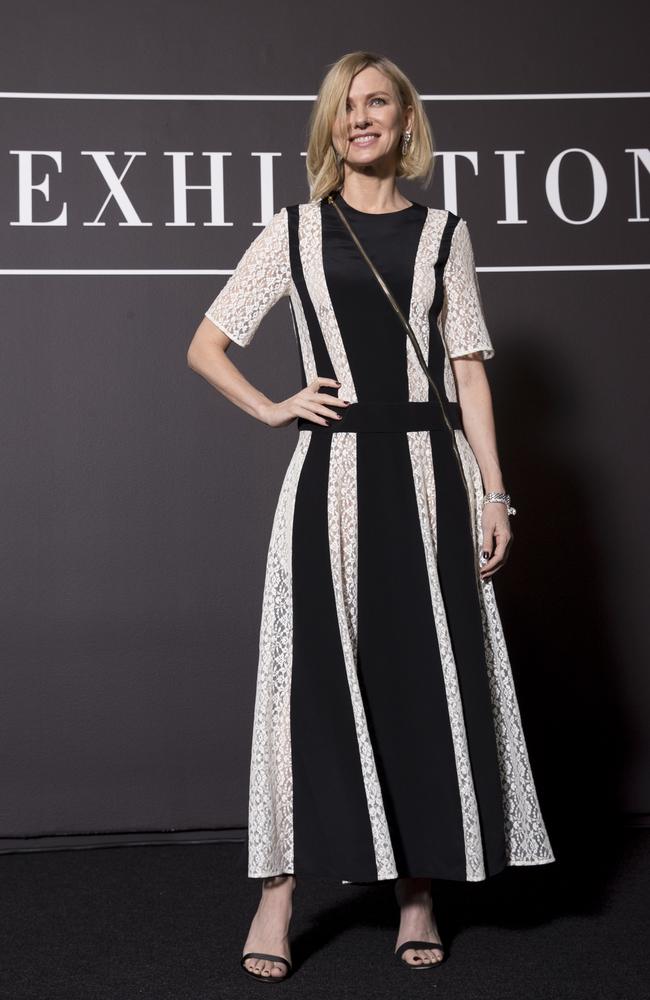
(387, 740)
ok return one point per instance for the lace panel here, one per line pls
(270, 809)
(423, 292)
(261, 278)
(311, 254)
(425, 492)
(527, 841)
(343, 536)
(304, 340)
(462, 312)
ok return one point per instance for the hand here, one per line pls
(308, 403)
(497, 538)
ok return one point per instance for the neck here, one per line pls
(373, 194)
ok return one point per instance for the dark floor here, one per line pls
(169, 922)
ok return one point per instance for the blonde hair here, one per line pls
(325, 170)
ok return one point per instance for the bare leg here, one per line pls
(417, 921)
(269, 930)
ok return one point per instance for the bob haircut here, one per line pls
(325, 171)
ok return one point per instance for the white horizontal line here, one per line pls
(166, 271)
(568, 267)
(99, 270)
(42, 95)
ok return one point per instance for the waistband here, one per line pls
(416, 416)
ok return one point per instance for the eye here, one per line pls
(382, 99)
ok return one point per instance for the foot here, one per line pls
(417, 921)
(269, 930)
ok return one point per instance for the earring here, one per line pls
(406, 140)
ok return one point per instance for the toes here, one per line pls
(263, 967)
(421, 956)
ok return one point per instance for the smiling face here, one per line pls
(374, 122)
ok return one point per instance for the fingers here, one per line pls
(320, 380)
(498, 557)
(311, 402)
(313, 414)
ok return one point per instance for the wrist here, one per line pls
(263, 410)
(499, 496)
(493, 485)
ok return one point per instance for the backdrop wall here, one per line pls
(143, 147)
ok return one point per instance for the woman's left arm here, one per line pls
(475, 401)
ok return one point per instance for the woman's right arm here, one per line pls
(206, 355)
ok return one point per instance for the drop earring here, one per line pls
(406, 141)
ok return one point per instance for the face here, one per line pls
(372, 110)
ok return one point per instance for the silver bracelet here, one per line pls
(493, 497)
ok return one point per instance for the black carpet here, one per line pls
(169, 922)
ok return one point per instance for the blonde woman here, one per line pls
(387, 738)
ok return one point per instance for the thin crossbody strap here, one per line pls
(393, 301)
(418, 351)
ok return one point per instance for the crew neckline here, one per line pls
(398, 211)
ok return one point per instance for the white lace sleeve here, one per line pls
(261, 278)
(463, 318)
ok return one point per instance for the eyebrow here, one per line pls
(374, 93)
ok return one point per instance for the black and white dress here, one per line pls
(387, 738)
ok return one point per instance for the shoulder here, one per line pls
(304, 206)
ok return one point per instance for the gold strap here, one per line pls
(418, 351)
(395, 305)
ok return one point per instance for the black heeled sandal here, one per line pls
(419, 944)
(272, 958)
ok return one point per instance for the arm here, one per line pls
(262, 277)
(475, 401)
(206, 355)
(469, 345)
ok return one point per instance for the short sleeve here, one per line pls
(261, 278)
(464, 325)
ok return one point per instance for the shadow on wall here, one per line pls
(555, 600)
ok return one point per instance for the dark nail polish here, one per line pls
(328, 423)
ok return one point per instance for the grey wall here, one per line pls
(137, 503)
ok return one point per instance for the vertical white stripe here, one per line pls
(425, 492)
(527, 840)
(311, 255)
(422, 296)
(304, 340)
(343, 538)
(270, 808)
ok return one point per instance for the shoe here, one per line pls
(419, 944)
(273, 958)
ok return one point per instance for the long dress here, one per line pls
(387, 739)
